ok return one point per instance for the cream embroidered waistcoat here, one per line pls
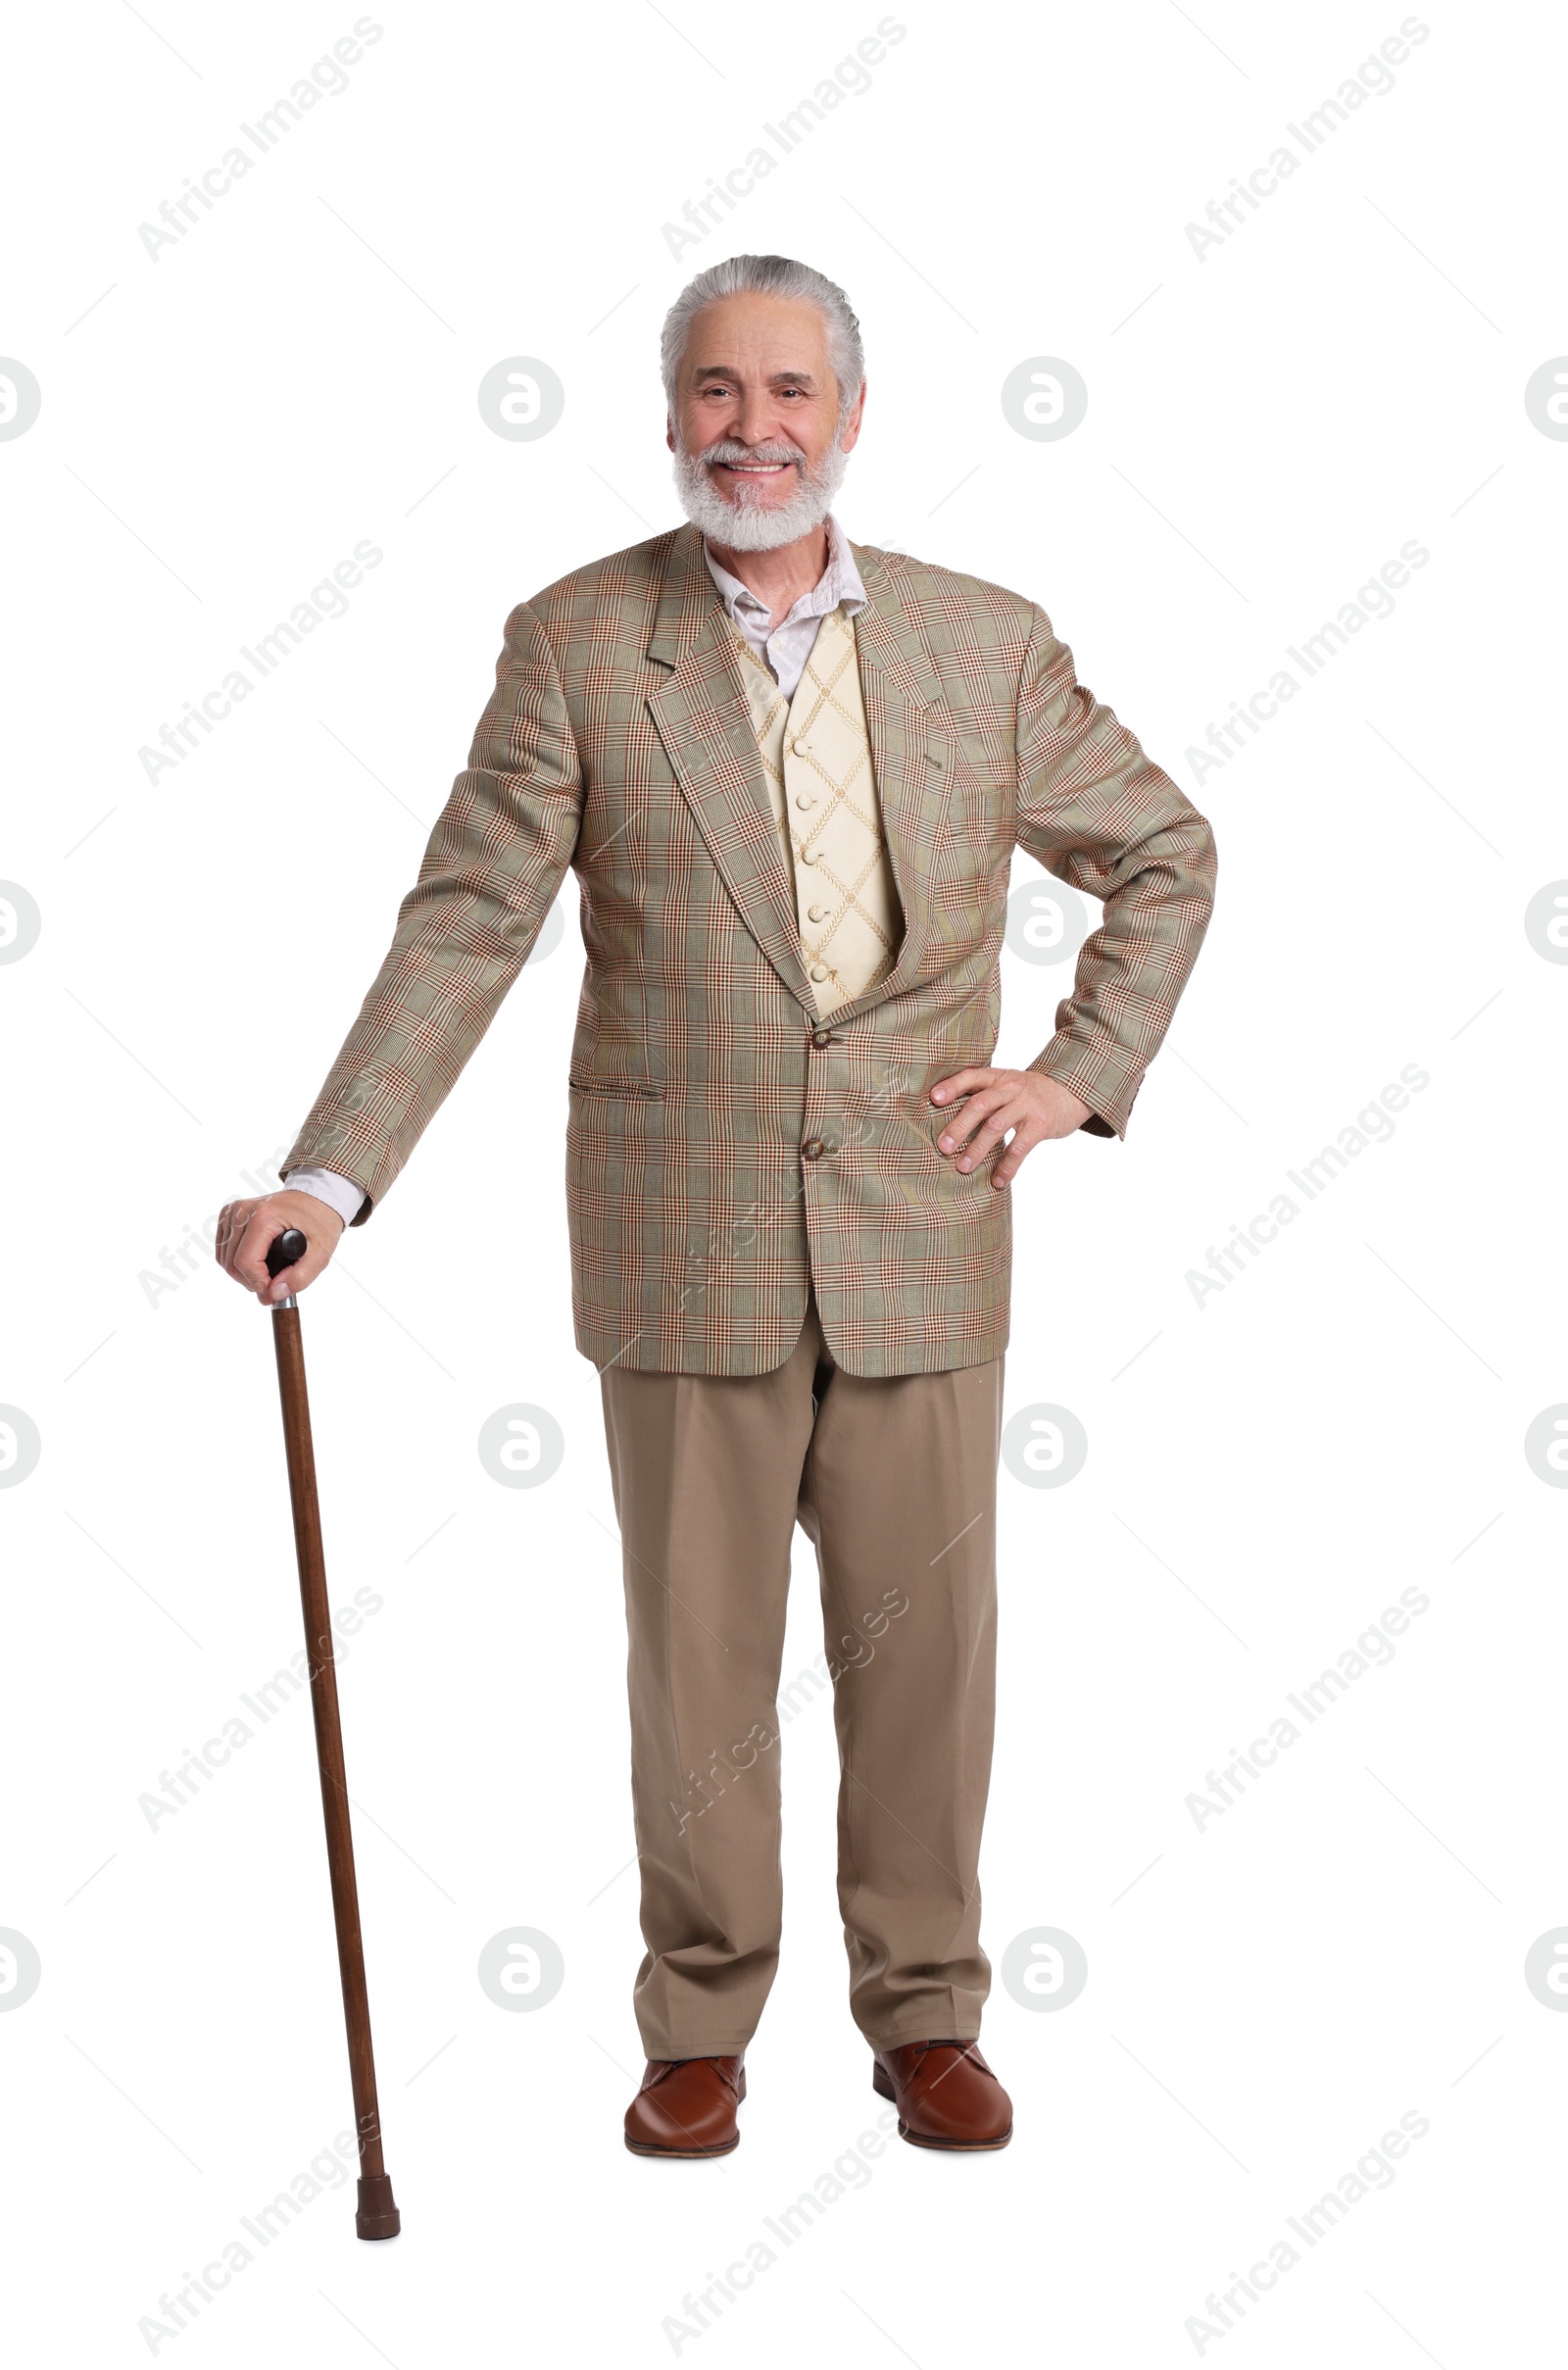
(816, 760)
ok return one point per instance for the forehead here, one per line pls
(761, 334)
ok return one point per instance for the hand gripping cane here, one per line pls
(377, 2216)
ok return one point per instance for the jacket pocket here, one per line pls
(638, 1087)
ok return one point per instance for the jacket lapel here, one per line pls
(705, 723)
(913, 752)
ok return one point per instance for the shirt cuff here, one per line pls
(338, 1193)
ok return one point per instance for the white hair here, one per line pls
(767, 275)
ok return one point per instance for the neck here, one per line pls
(778, 578)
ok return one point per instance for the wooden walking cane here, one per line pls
(377, 2216)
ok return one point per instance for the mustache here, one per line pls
(728, 450)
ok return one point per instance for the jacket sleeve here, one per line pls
(1100, 816)
(496, 858)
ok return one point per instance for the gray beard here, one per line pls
(742, 525)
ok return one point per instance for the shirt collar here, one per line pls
(838, 585)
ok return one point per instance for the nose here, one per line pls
(754, 423)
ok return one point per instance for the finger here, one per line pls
(288, 1280)
(249, 1259)
(961, 1082)
(321, 1230)
(233, 1220)
(319, 1248)
(962, 1124)
(991, 1135)
(1026, 1138)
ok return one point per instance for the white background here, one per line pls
(1267, 1994)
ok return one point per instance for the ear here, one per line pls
(849, 434)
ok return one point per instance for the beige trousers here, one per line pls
(893, 1480)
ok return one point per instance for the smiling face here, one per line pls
(759, 449)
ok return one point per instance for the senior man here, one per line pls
(789, 772)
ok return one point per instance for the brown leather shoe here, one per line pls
(686, 2108)
(947, 2096)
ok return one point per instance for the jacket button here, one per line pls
(812, 1147)
(821, 1036)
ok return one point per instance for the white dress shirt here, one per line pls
(784, 647)
(788, 646)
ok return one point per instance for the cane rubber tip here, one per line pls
(377, 2216)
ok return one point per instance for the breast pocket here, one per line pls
(974, 832)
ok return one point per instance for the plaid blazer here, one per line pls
(724, 1147)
